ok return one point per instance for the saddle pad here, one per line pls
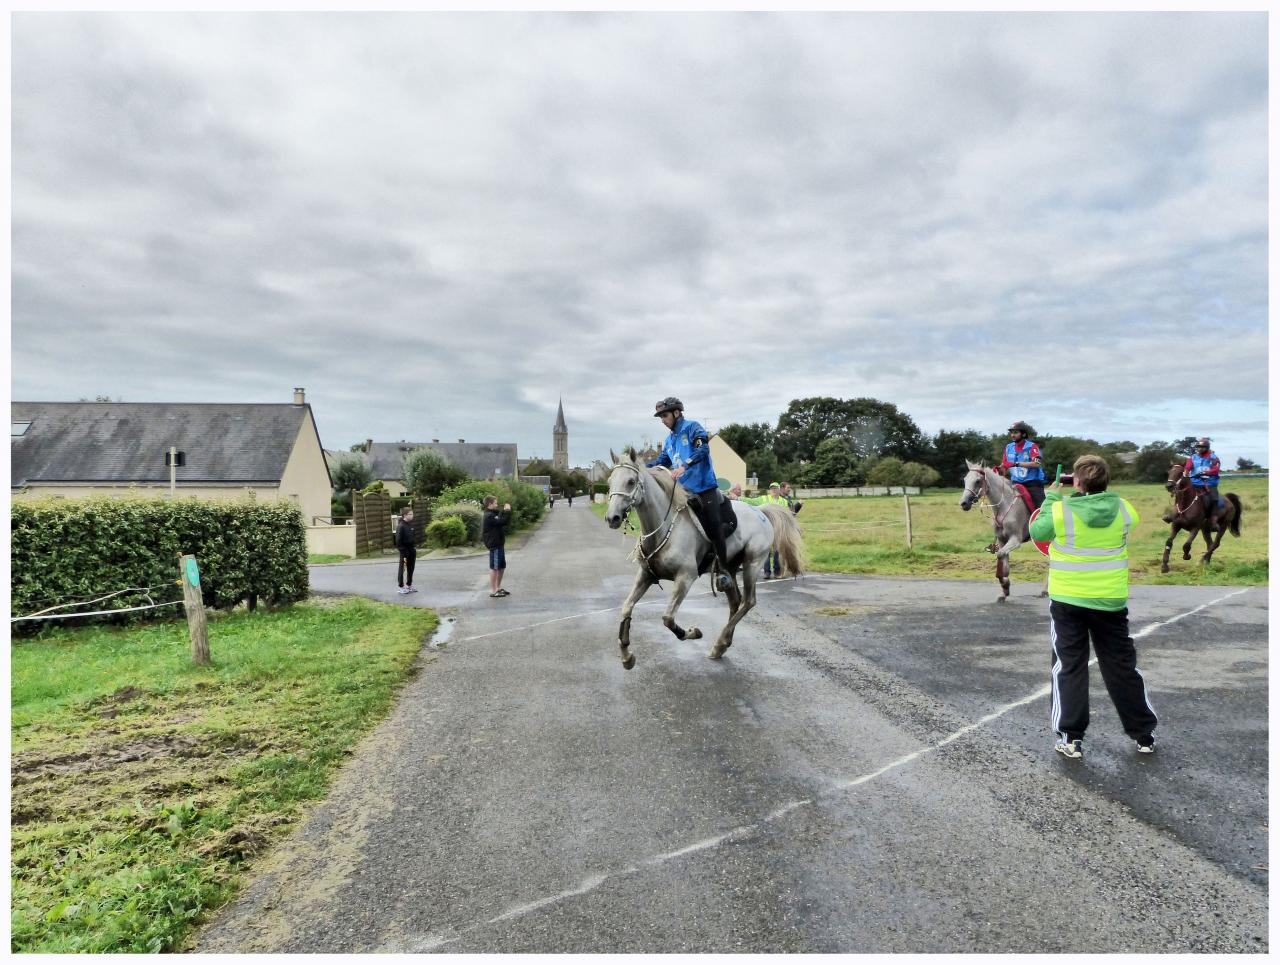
(1021, 490)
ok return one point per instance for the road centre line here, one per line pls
(592, 882)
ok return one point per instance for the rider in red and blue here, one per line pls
(1202, 467)
(1022, 461)
(687, 453)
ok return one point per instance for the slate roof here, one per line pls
(477, 459)
(125, 442)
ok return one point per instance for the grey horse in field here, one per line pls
(1010, 516)
(672, 545)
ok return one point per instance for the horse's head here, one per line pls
(626, 487)
(974, 482)
(1175, 480)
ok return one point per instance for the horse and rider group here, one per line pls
(688, 527)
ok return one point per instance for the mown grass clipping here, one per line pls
(144, 786)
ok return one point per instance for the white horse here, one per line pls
(1010, 516)
(673, 544)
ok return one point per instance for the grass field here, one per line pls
(142, 786)
(867, 534)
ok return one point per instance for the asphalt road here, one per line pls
(869, 769)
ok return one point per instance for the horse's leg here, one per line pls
(683, 583)
(750, 573)
(1002, 571)
(1168, 545)
(1186, 547)
(644, 580)
(1213, 537)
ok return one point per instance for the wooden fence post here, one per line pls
(907, 500)
(193, 603)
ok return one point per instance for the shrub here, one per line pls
(68, 550)
(527, 502)
(471, 516)
(451, 531)
(888, 471)
(427, 473)
(918, 474)
(377, 486)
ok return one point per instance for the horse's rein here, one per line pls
(631, 502)
(983, 497)
(1183, 485)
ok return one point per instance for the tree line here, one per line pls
(824, 441)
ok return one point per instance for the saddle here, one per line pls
(1021, 490)
(728, 524)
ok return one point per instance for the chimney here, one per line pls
(368, 444)
(435, 440)
(299, 396)
(462, 440)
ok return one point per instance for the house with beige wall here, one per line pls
(230, 450)
(728, 464)
(479, 460)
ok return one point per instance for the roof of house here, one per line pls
(477, 459)
(126, 442)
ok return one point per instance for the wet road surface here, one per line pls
(869, 769)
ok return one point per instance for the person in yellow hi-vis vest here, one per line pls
(1088, 537)
(772, 564)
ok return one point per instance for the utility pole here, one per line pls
(173, 472)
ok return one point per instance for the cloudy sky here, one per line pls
(439, 224)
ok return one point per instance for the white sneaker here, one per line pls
(403, 590)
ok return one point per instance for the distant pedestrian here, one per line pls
(1088, 538)
(494, 536)
(408, 552)
(735, 492)
(570, 497)
(790, 497)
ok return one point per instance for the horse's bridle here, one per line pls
(1184, 485)
(984, 492)
(632, 501)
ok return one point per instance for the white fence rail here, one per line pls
(858, 491)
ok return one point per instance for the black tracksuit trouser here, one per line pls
(404, 573)
(1070, 630)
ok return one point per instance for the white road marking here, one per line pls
(589, 884)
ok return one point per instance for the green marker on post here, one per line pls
(1057, 476)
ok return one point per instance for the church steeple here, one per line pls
(560, 441)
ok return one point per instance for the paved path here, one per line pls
(868, 770)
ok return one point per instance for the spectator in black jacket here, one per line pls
(494, 536)
(408, 552)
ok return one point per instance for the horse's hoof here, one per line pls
(717, 652)
(999, 599)
(1043, 594)
(629, 662)
(693, 633)
(1164, 569)
(1186, 556)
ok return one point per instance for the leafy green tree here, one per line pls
(744, 439)
(348, 473)
(1154, 461)
(871, 427)
(1246, 465)
(762, 464)
(835, 464)
(427, 473)
(1185, 446)
(950, 449)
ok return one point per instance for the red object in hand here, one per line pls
(1042, 547)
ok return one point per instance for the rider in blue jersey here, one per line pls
(1202, 466)
(687, 453)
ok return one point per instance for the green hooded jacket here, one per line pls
(1095, 510)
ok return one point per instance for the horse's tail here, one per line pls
(1235, 520)
(787, 540)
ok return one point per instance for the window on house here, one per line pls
(18, 428)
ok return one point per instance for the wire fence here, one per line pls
(49, 613)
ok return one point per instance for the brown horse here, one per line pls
(1188, 514)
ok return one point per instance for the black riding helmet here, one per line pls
(1020, 426)
(669, 404)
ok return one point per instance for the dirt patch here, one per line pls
(31, 767)
(847, 611)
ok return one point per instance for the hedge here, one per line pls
(528, 504)
(64, 551)
(472, 518)
(451, 531)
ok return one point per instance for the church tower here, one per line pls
(560, 441)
